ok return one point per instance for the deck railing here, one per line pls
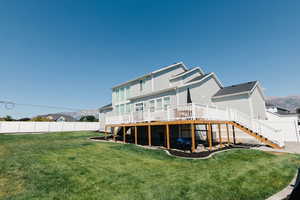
(198, 111)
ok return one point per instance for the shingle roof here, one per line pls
(234, 89)
(55, 117)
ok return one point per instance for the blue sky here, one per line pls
(70, 53)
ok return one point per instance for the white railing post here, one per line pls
(193, 111)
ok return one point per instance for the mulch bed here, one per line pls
(203, 154)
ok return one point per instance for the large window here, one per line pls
(152, 105)
(117, 96)
(166, 102)
(122, 94)
(158, 104)
(127, 92)
(139, 107)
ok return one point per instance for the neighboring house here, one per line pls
(175, 93)
(59, 117)
(277, 109)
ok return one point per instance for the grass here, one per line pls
(69, 166)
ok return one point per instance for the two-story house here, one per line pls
(175, 93)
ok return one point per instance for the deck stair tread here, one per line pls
(256, 135)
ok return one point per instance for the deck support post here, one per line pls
(115, 131)
(233, 133)
(193, 137)
(220, 135)
(228, 139)
(210, 136)
(149, 135)
(168, 136)
(105, 132)
(135, 135)
(124, 134)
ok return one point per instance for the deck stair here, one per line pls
(256, 135)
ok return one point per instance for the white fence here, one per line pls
(35, 127)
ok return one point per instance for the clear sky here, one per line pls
(70, 53)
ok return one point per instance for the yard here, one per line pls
(69, 166)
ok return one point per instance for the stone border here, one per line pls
(284, 193)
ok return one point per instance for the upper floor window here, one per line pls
(122, 94)
(127, 92)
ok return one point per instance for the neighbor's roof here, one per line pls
(236, 89)
(57, 116)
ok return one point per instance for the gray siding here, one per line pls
(201, 93)
(161, 80)
(258, 104)
(239, 102)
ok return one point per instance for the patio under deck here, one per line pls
(165, 126)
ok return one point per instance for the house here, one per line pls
(176, 94)
(277, 109)
(59, 118)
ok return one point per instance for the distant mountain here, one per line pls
(78, 115)
(289, 102)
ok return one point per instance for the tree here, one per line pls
(41, 119)
(88, 118)
(24, 119)
(298, 110)
(8, 118)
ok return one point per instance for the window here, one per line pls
(142, 85)
(158, 104)
(122, 94)
(127, 108)
(152, 105)
(166, 103)
(117, 96)
(122, 109)
(127, 92)
(139, 107)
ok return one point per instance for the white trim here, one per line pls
(204, 78)
(229, 95)
(153, 93)
(187, 72)
(152, 73)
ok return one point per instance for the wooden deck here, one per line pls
(208, 124)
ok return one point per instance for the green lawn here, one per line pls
(69, 166)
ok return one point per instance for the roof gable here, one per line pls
(169, 67)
